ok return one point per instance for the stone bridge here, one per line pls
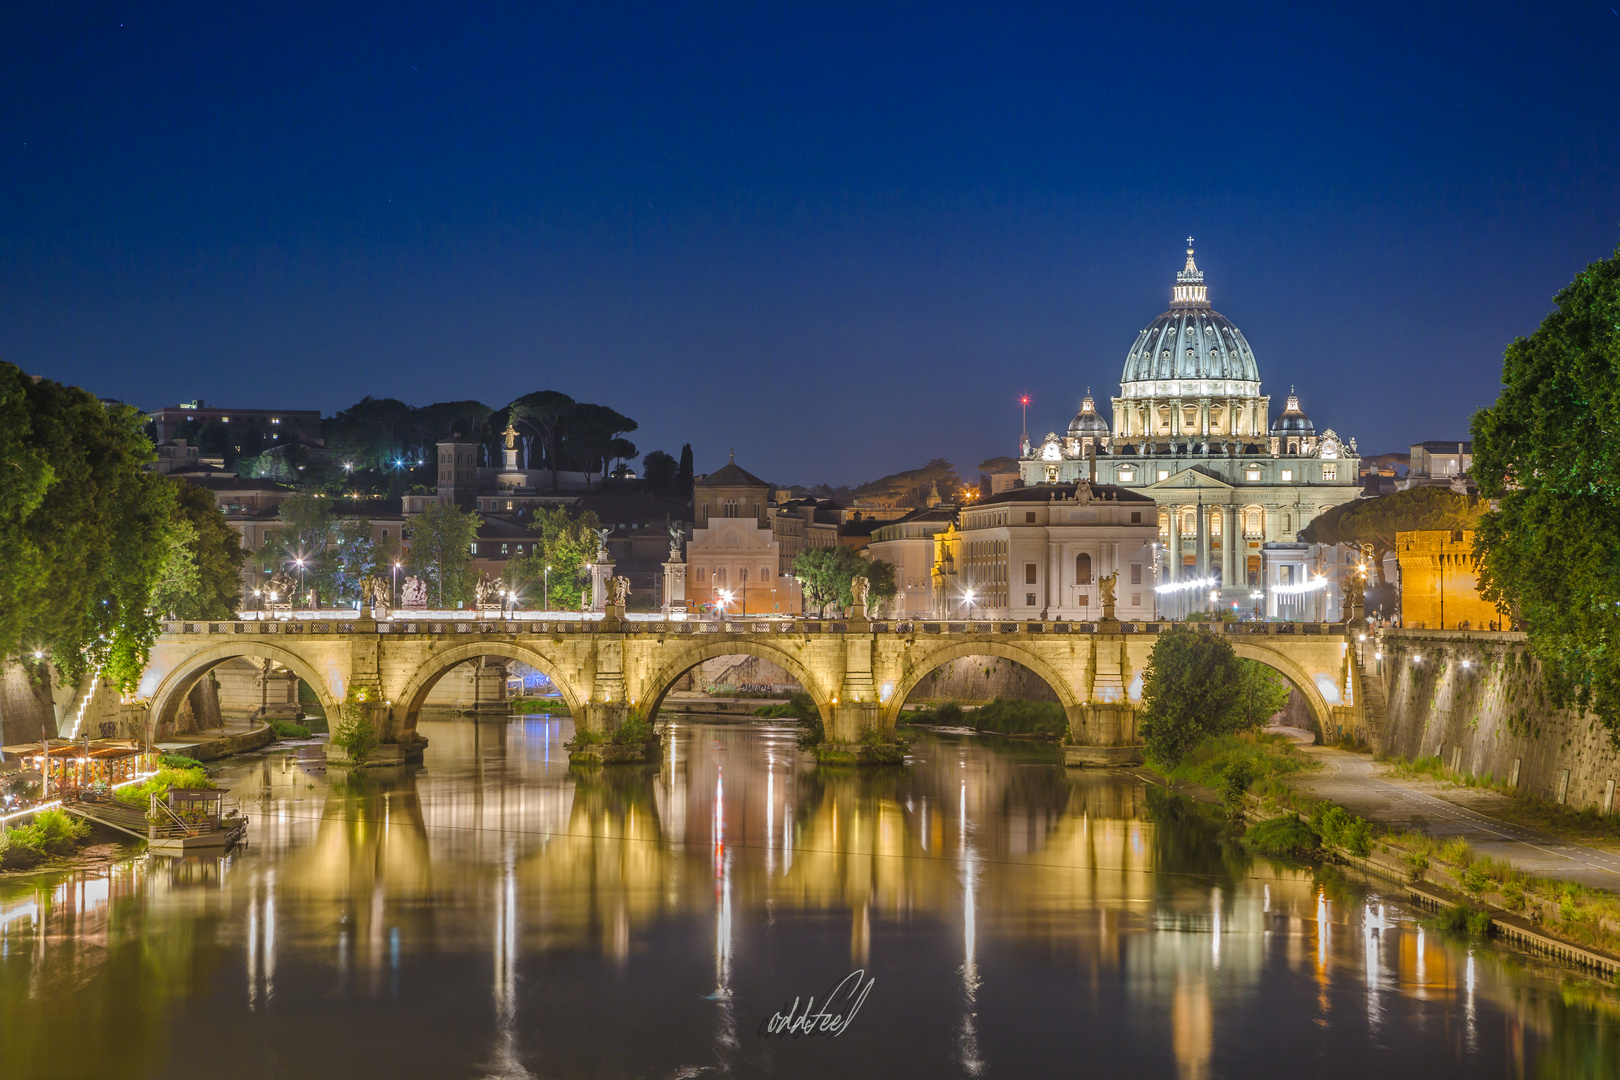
(858, 673)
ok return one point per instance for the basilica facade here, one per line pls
(1191, 429)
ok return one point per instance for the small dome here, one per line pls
(1293, 421)
(1086, 422)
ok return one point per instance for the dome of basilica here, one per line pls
(1087, 422)
(1293, 418)
(1190, 343)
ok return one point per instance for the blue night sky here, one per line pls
(840, 239)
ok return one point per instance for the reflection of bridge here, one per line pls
(859, 673)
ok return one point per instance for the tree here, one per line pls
(1263, 695)
(83, 530)
(590, 436)
(566, 544)
(825, 574)
(658, 470)
(684, 477)
(1192, 689)
(542, 412)
(305, 538)
(880, 584)
(201, 576)
(441, 539)
(1546, 452)
(1377, 521)
(357, 555)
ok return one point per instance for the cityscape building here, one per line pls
(1192, 431)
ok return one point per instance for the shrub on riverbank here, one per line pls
(1266, 758)
(159, 785)
(1288, 836)
(802, 708)
(53, 832)
(948, 714)
(537, 704)
(286, 729)
(1007, 716)
(179, 761)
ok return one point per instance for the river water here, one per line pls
(492, 913)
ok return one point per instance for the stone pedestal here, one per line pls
(849, 717)
(601, 574)
(674, 588)
(1102, 734)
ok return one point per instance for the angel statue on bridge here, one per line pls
(1105, 589)
(618, 591)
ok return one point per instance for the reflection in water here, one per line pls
(494, 913)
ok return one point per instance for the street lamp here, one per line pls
(967, 597)
(396, 584)
(546, 598)
(725, 601)
(299, 562)
(1256, 595)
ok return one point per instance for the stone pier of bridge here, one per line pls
(858, 673)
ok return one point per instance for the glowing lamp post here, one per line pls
(396, 585)
(304, 592)
(545, 599)
(967, 598)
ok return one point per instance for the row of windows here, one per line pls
(721, 578)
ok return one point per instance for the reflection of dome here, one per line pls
(1191, 341)
(1292, 420)
(1086, 422)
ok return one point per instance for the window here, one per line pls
(1136, 599)
(1215, 524)
(1285, 575)
(742, 576)
(1029, 517)
(1164, 474)
(697, 574)
(731, 508)
(1252, 473)
(1082, 569)
(1136, 575)
(1126, 476)
(504, 551)
(1029, 573)
(764, 573)
(1288, 476)
(473, 548)
(1254, 570)
(705, 510)
(1189, 523)
(1330, 472)
(1251, 524)
(720, 575)
(385, 534)
(1084, 599)
(1029, 599)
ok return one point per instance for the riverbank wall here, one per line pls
(1477, 700)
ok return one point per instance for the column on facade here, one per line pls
(1054, 578)
(1203, 418)
(1175, 416)
(1229, 548)
(1203, 541)
(1172, 562)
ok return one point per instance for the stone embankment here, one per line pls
(1477, 700)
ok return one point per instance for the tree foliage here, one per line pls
(1547, 452)
(1377, 521)
(1193, 688)
(567, 542)
(441, 540)
(881, 586)
(83, 529)
(1263, 695)
(216, 553)
(825, 574)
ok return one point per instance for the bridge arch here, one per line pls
(406, 709)
(655, 688)
(916, 669)
(1284, 665)
(174, 686)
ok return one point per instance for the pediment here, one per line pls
(1193, 478)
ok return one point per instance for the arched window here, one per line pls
(1215, 523)
(720, 576)
(1164, 525)
(742, 576)
(1082, 569)
(1252, 524)
(1189, 523)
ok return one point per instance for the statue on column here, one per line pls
(858, 586)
